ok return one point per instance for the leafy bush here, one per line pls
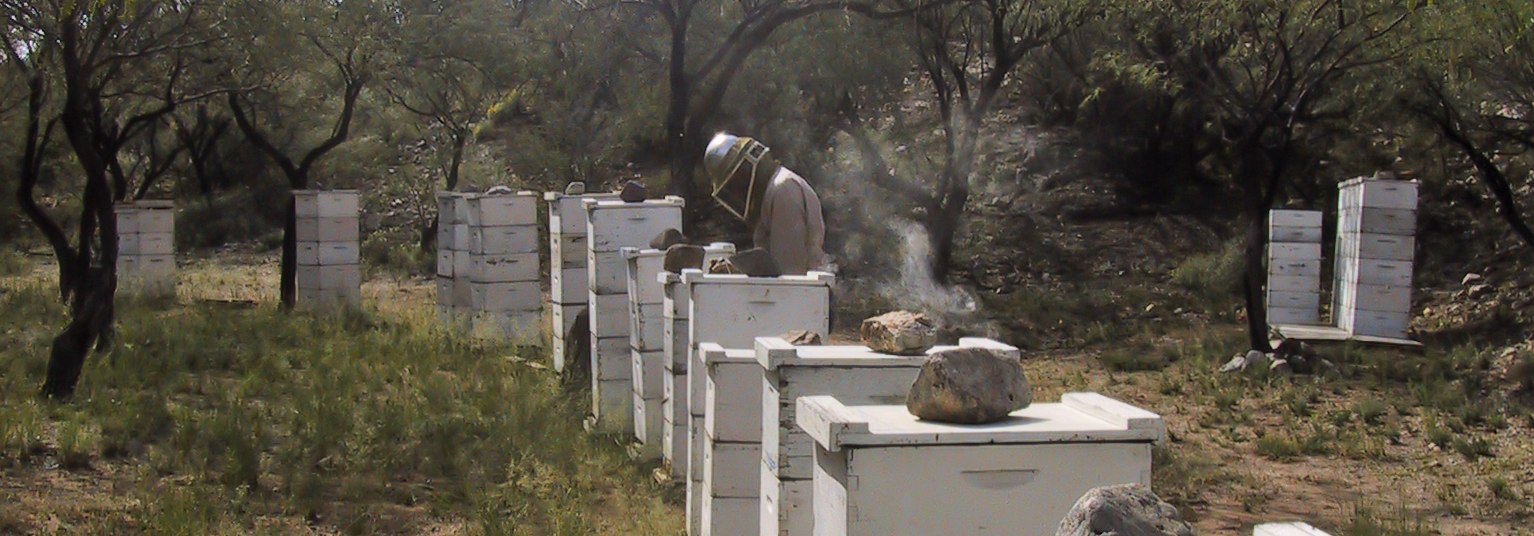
(1212, 278)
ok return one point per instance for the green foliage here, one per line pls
(377, 409)
(1395, 521)
(1212, 278)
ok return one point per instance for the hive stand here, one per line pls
(675, 305)
(146, 248)
(567, 264)
(853, 374)
(329, 251)
(610, 227)
(881, 471)
(732, 311)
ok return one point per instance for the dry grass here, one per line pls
(214, 413)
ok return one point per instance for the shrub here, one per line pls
(1213, 278)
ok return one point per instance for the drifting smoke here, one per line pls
(914, 289)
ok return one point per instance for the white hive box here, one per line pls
(1293, 294)
(499, 210)
(675, 303)
(881, 471)
(567, 264)
(1287, 529)
(1376, 221)
(646, 297)
(728, 491)
(146, 250)
(612, 225)
(328, 252)
(732, 311)
(853, 374)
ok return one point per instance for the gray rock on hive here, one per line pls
(667, 238)
(1123, 510)
(969, 385)
(755, 262)
(899, 333)
(681, 257)
(632, 192)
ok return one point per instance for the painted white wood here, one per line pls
(733, 402)
(1376, 272)
(1379, 246)
(613, 365)
(156, 244)
(494, 210)
(787, 507)
(1287, 529)
(567, 215)
(345, 276)
(1281, 315)
(1388, 221)
(1295, 267)
(648, 425)
(1294, 218)
(648, 374)
(511, 296)
(1281, 283)
(1078, 418)
(326, 203)
(1382, 298)
(614, 414)
(128, 245)
(1293, 300)
(569, 285)
(1385, 324)
(1293, 250)
(607, 272)
(570, 249)
(642, 267)
(613, 225)
(462, 235)
(325, 229)
(1381, 193)
(1308, 235)
(968, 489)
(516, 267)
(127, 218)
(504, 240)
(609, 316)
(728, 516)
(732, 469)
(646, 327)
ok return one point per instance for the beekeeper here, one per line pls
(781, 209)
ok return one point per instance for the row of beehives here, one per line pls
(772, 438)
(487, 264)
(326, 235)
(1371, 292)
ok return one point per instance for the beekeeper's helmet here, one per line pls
(723, 160)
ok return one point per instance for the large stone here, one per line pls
(1123, 510)
(801, 337)
(683, 256)
(969, 385)
(667, 238)
(755, 262)
(632, 192)
(500, 190)
(575, 188)
(900, 333)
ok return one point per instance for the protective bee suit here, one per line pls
(781, 209)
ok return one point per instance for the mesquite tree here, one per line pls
(339, 37)
(101, 73)
(966, 51)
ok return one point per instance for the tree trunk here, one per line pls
(1254, 280)
(288, 280)
(677, 107)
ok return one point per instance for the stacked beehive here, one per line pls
(784, 373)
(1376, 228)
(146, 250)
(503, 266)
(329, 254)
(731, 311)
(674, 338)
(648, 329)
(880, 470)
(611, 226)
(1294, 267)
(567, 264)
(454, 297)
